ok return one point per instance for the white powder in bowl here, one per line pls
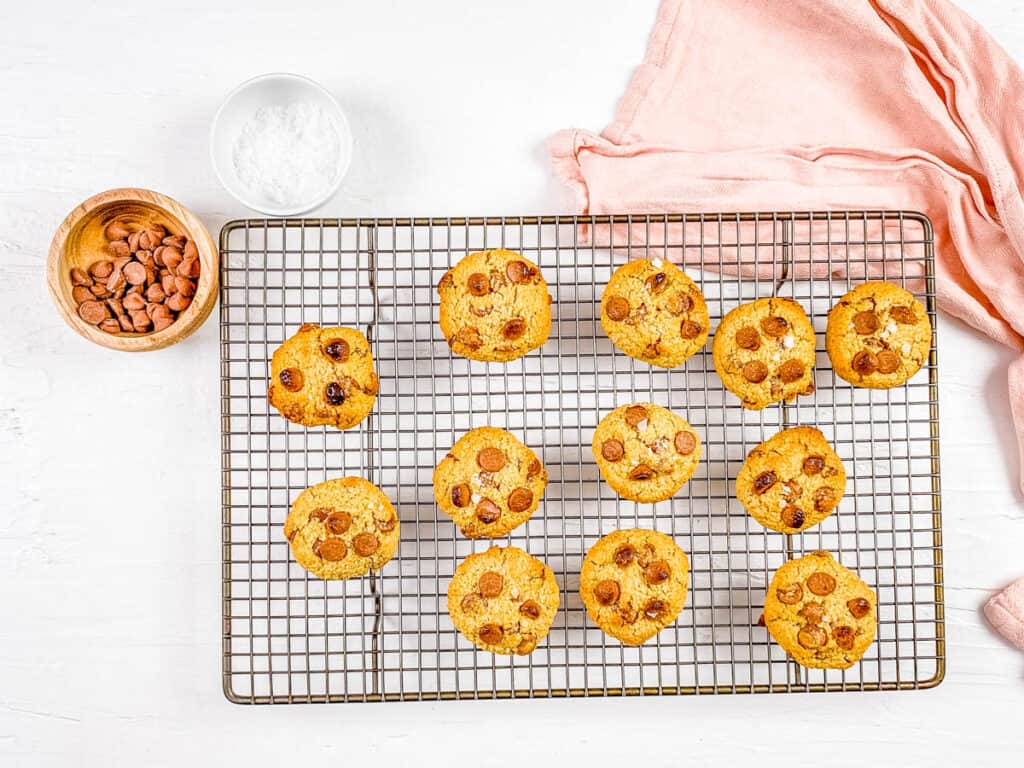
(288, 154)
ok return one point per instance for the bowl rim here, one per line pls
(207, 288)
(345, 160)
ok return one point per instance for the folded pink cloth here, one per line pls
(1005, 612)
(745, 105)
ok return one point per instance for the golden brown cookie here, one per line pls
(653, 311)
(764, 352)
(489, 483)
(323, 376)
(634, 583)
(495, 306)
(503, 600)
(342, 528)
(792, 480)
(878, 335)
(645, 452)
(821, 613)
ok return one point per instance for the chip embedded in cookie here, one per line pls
(634, 583)
(342, 528)
(503, 600)
(495, 306)
(323, 376)
(792, 480)
(645, 452)
(764, 352)
(489, 483)
(653, 311)
(820, 612)
(878, 335)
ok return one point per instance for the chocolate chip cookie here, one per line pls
(820, 612)
(634, 583)
(342, 528)
(878, 335)
(764, 352)
(645, 452)
(653, 311)
(495, 306)
(792, 480)
(489, 483)
(503, 600)
(323, 376)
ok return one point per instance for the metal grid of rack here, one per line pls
(290, 637)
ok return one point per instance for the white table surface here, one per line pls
(109, 482)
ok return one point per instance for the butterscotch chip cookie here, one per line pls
(634, 583)
(489, 483)
(878, 335)
(792, 480)
(503, 600)
(342, 528)
(495, 306)
(323, 376)
(764, 352)
(645, 452)
(653, 311)
(821, 613)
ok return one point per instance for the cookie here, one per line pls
(342, 528)
(645, 452)
(495, 306)
(878, 335)
(634, 583)
(489, 483)
(323, 376)
(653, 311)
(821, 613)
(764, 352)
(792, 480)
(503, 600)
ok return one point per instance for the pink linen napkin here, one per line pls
(829, 104)
(1005, 612)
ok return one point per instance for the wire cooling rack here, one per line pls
(290, 637)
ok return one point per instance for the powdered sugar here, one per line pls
(288, 154)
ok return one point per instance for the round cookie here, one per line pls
(342, 528)
(645, 452)
(878, 335)
(495, 306)
(634, 583)
(792, 480)
(489, 483)
(503, 600)
(323, 376)
(653, 311)
(821, 613)
(764, 352)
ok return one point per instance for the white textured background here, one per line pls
(109, 502)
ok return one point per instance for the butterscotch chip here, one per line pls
(685, 442)
(865, 322)
(844, 637)
(488, 512)
(624, 555)
(792, 516)
(617, 308)
(291, 379)
(641, 472)
(520, 499)
(365, 544)
(334, 393)
(821, 583)
(490, 584)
(119, 248)
(78, 277)
(764, 481)
(337, 350)
(338, 522)
(81, 293)
(755, 371)
(101, 269)
(657, 572)
(491, 459)
(813, 465)
(858, 607)
(607, 592)
(689, 329)
(134, 302)
(635, 414)
(491, 633)
(791, 370)
(134, 273)
(655, 609)
(110, 325)
(519, 272)
(460, 495)
(791, 594)
(747, 337)
(612, 450)
(812, 613)
(530, 609)
(92, 312)
(774, 325)
(478, 284)
(903, 314)
(812, 636)
(888, 361)
(678, 303)
(332, 550)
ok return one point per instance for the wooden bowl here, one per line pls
(81, 240)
